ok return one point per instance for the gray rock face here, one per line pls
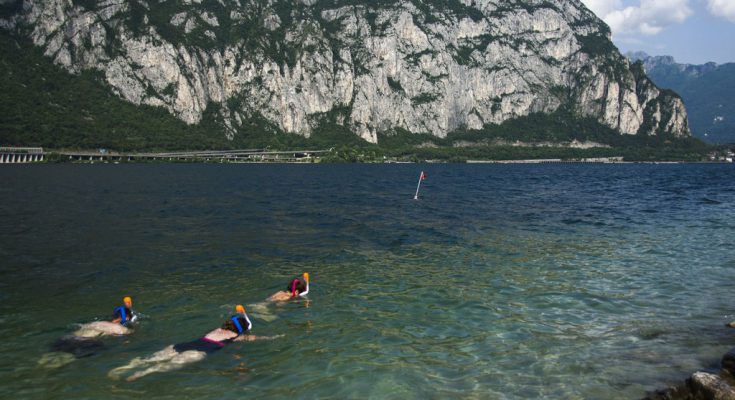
(710, 386)
(373, 66)
(728, 362)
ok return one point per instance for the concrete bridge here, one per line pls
(221, 156)
(600, 160)
(21, 155)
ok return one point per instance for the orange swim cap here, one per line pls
(306, 277)
(128, 300)
(239, 308)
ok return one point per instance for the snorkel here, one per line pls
(128, 301)
(241, 310)
(306, 278)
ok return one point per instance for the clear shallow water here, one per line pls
(556, 281)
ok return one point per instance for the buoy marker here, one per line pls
(422, 177)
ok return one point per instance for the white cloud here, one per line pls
(649, 17)
(603, 7)
(722, 8)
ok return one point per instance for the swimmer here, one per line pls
(298, 287)
(122, 319)
(85, 342)
(235, 329)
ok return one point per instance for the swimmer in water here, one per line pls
(122, 319)
(85, 342)
(297, 288)
(235, 329)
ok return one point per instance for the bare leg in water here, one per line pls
(169, 359)
(165, 360)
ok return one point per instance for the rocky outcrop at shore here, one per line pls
(710, 385)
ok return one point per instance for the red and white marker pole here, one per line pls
(422, 177)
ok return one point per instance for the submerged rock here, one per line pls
(728, 362)
(700, 386)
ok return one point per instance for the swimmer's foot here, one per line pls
(55, 360)
(118, 372)
(135, 376)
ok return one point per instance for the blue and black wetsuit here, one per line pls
(124, 313)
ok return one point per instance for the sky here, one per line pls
(692, 31)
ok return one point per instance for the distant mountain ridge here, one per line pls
(708, 90)
(372, 67)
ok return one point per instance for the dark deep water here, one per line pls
(520, 281)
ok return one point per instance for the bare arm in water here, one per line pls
(280, 296)
(252, 338)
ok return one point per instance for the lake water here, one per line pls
(502, 281)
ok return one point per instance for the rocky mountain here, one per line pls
(708, 90)
(373, 66)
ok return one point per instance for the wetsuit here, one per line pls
(205, 345)
(124, 313)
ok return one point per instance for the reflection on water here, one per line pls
(502, 282)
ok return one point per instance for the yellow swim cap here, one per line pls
(306, 277)
(239, 308)
(127, 300)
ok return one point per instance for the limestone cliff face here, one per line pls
(424, 66)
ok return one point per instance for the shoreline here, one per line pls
(713, 383)
(38, 155)
(427, 162)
